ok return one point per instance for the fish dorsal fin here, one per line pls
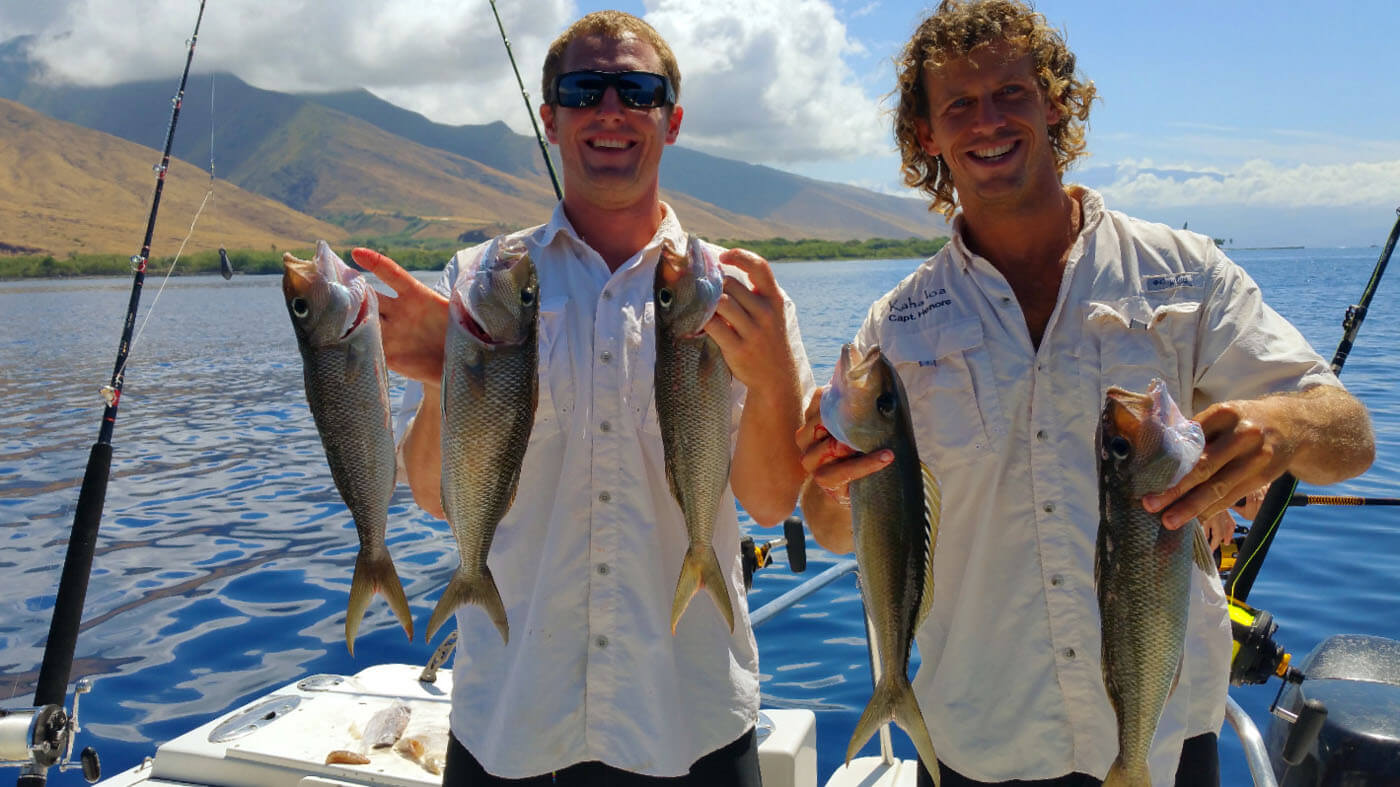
(933, 508)
(1200, 548)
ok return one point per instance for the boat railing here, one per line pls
(1251, 741)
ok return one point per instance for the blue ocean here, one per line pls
(224, 558)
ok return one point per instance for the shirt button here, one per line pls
(1067, 652)
(605, 356)
(1041, 435)
(603, 569)
(1049, 508)
(606, 426)
(1057, 580)
(604, 497)
(1006, 299)
(601, 641)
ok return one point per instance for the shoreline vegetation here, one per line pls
(427, 255)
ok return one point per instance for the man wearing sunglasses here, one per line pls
(593, 688)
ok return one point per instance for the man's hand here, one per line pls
(1321, 435)
(831, 466)
(750, 325)
(750, 328)
(414, 324)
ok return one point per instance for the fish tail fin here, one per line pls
(701, 568)
(479, 589)
(1121, 775)
(893, 700)
(375, 573)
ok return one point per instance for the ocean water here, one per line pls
(223, 562)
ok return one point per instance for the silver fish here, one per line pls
(489, 392)
(693, 407)
(894, 520)
(386, 726)
(335, 314)
(1142, 570)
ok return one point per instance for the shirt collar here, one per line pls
(1090, 203)
(669, 230)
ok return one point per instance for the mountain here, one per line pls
(64, 188)
(371, 168)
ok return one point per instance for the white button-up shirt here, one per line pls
(1010, 684)
(587, 558)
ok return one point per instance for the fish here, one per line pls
(428, 749)
(692, 384)
(382, 730)
(335, 314)
(384, 727)
(895, 514)
(490, 388)
(1142, 570)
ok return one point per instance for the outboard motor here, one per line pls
(1357, 679)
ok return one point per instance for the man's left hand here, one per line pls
(750, 325)
(1244, 451)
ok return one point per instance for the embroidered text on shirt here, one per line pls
(912, 307)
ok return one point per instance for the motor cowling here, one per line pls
(1357, 677)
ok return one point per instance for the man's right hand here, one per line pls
(414, 324)
(831, 466)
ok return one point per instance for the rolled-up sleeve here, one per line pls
(1246, 349)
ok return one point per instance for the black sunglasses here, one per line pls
(637, 89)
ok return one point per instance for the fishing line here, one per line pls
(108, 393)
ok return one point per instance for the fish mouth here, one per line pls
(1128, 411)
(299, 275)
(469, 323)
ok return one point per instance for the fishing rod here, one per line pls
(1281, 492)
(529, 110)
(49, 730)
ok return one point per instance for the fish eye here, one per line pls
(300, 307)
(527, 297)
(886, 403)
(1119, 447)
(664, 296)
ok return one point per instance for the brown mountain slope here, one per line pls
(64, 188)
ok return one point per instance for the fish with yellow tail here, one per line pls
(894, 522)
(335, 314)
(489, 391)
(1142, 570)
(693, 408)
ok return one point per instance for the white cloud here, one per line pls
(1258, 183)
(766, 80)
(443, 58)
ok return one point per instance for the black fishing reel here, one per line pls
(761, 555)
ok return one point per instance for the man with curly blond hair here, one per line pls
(1006, 342)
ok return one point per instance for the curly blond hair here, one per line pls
(953, 31)
(609, 24)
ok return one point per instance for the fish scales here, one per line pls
(335, 315)
(693, 383)
(1142, 569)
(490, 390)
(894, 521)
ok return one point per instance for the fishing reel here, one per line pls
(758, 556)
(1254, 654)
(36, 739)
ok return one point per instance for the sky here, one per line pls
(1261, 123)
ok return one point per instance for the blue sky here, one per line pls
(1269, 123)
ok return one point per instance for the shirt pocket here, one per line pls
(556, 374)
(948, 376)
(1137, 341)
